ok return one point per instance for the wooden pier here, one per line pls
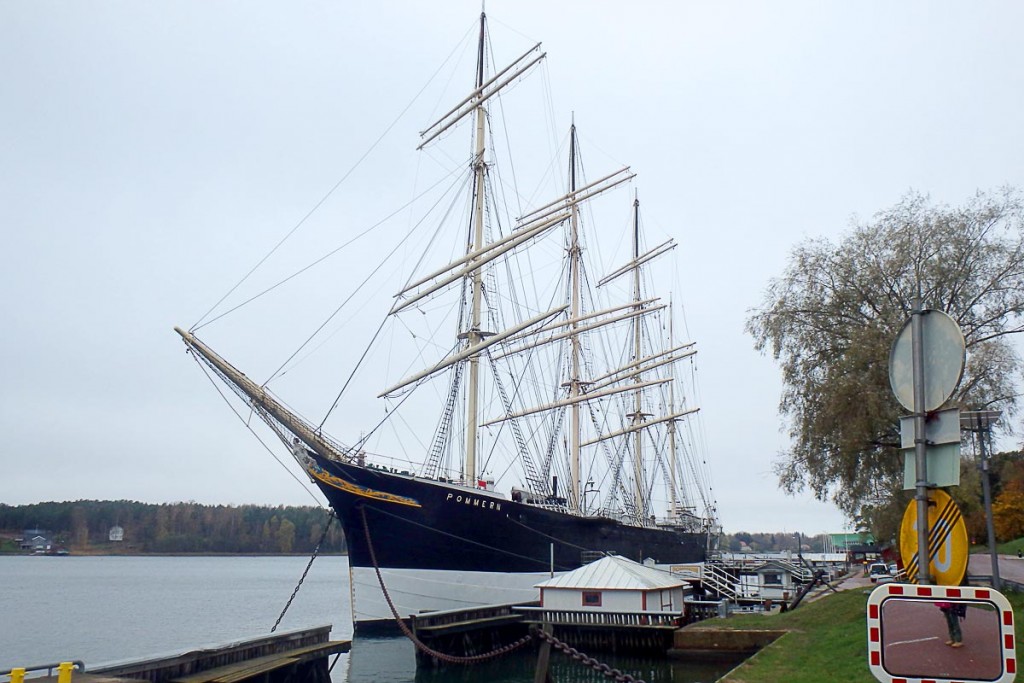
(468, 632)
(294, 656)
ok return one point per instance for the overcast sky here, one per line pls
(151, 153)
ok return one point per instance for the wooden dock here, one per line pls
(293, 657)
(468, 632)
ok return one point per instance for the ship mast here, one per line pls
(672, 424)
(574, 379)
(637, 416)
(474, 336)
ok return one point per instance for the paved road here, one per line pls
(1010, 566)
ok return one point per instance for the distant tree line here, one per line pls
(84, 525)
(767, 542)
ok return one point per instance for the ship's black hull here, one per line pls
(455, 528)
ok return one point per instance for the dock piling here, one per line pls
(542, 674)
(64, 672)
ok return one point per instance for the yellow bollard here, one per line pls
(17, 675)
(64, 672)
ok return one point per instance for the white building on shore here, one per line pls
(614, 584)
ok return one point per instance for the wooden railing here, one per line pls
(698, 610)
(565, 617)
(195, 661)
(427, 620)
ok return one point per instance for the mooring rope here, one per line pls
(316, 551)
(572, 652)
(420, 645)
(587, 660)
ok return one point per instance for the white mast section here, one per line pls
(585, 193)
(474, 336)
(649, 359)
(589, 316)
(470, 351)
(483, 92)
(637, 415)
(672, 425)
(521, 233)
(579, 399)
(476, 260)
(260, 398)
(639, 372)
(649, 423)
(638, 261)
(574, 378)
(584, 328)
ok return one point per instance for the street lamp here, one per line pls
(980, 422)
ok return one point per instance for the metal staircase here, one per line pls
(715, 578)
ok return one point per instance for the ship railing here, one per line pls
(392, 464)
(572, 617)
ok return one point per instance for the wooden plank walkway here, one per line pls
(291, 656)
(250, 668)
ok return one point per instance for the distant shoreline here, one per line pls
(101, 553)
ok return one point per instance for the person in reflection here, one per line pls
(953, 613)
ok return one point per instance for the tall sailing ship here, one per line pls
(561, 433)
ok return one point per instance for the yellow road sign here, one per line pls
(947, 540)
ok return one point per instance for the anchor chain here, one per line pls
(420, 645)
(295, 592)
(587, 660)
(575, 654)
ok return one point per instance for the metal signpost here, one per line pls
(926, 363)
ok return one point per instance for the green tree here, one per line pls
(832, 316)
(80, 527)
(285, 536)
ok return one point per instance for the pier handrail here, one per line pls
(652, 619)
(79, 664)
(195, 660)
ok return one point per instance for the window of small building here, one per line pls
(591, 598)
(773, 579)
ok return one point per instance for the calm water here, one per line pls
(107, 609)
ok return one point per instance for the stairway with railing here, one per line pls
(714, 577)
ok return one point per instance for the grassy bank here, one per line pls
(1010, 547)
(825, 640)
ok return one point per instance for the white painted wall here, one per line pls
(615, 600)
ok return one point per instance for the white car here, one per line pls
(880, 572)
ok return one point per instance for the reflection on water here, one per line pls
(392, 660)
(108, 609)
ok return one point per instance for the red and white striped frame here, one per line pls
(915, 592)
